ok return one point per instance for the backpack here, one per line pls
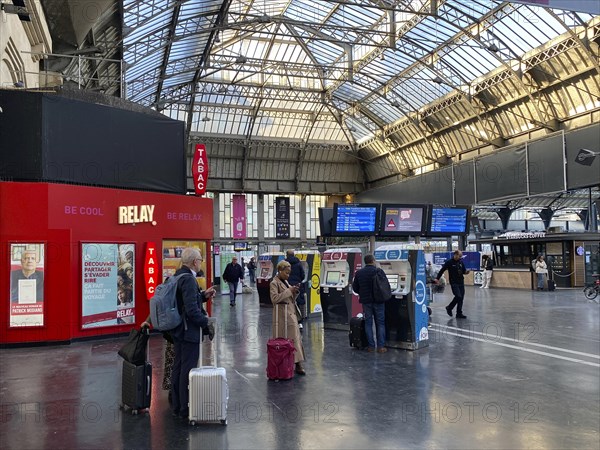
(382, 291)
(164, 313)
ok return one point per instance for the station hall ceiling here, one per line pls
(339, 96)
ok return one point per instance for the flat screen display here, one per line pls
(333, 277)
(360, 219)
(403, 220)
(325, 221)
(393, 280)
(448, 221)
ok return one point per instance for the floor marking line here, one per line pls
(538, 352)
(589, 355)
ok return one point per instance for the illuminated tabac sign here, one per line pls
(200, 169)
(150, 269)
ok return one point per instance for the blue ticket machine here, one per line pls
(406, 316)
(311, 263)
(267, 268)
(338, 302)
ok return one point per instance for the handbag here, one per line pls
(134, 350)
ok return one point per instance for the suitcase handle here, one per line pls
(277, 319)
(214, 322)
(148, 386)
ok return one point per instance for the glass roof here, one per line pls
(338, 71)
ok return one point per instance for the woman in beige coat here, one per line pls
(283, 294)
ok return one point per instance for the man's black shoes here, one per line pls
(461, 316)
(449, 311)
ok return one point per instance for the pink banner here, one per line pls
(586, 6)
(239, 216)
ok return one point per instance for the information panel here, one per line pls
(407, 220)
(448, 221)
(357, 219)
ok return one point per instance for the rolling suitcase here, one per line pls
(280, 354)
(551, 285)
(136, 385)
(209, 391)
(357, 333)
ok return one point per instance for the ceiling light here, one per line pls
(438, 80)
(241, 59)
(493, 48)
(205, 119)
(395, 104)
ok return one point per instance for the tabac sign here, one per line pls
(200, 169)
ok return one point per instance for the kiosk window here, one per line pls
(393, 280)
(265, 272)
(332, 278)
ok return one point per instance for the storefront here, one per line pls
(571, 257)
(83, 261)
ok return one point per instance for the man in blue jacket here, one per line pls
(373, 308)
(456, 271)
(188, 334)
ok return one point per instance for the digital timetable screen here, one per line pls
(447, 221)
(360, 219)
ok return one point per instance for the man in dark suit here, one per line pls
(188, 334)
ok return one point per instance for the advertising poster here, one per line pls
(27, 285)
(107, 285)
(282, 217)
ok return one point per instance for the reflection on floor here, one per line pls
(521, 372)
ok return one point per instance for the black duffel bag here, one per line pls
(134, 350)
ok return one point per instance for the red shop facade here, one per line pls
(81, 262)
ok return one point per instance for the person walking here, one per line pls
(284, 295)
(233, 274)
(373, 308)
(456, 272)
(541, 270)
(488, 267)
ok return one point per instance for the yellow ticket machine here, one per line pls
(311, 263)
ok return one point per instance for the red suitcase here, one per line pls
(280, 354)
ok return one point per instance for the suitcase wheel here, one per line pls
(134, 412)
(192, 422)
(224, 422)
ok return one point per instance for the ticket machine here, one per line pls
(266, 270)
(406, 316)
(338, 302)
(311, 263)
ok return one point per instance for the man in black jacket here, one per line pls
(456, 271)
(297, 277)
(373, 308)
(233, 274)
(188, 334)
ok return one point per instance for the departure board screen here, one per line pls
(360, 219)
(446, 221)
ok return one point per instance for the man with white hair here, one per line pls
(188, 334)
(28, 271)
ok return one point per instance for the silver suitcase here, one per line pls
(209, 392)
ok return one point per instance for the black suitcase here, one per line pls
(357, 334)
(551, 285)
(136, 386)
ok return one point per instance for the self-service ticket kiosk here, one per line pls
(267, 268)
(406, 316)
(311, 263)
(338, 302)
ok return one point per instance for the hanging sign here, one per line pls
(150, 269)
(200, 169)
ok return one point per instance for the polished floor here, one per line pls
(523, 371)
